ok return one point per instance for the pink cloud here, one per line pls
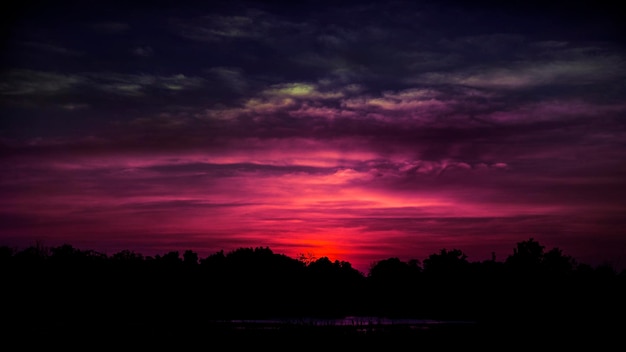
(344, 198)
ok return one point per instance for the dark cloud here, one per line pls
(143, 51)
(111, 27)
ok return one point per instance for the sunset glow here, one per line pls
(249, 124)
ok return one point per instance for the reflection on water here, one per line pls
(354, 321)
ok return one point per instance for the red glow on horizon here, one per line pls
(347, 206)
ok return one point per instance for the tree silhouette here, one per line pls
(394, 287)
(190, 257)
(307, 258)
(556, 264)
(527, 257)
(446, 263)
(531, 292)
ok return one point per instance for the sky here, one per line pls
(355, 130)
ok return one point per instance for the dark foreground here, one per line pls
(71, 299)
(124, 334)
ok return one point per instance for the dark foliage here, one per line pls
(71, 288)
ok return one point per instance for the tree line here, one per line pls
(63, 285)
